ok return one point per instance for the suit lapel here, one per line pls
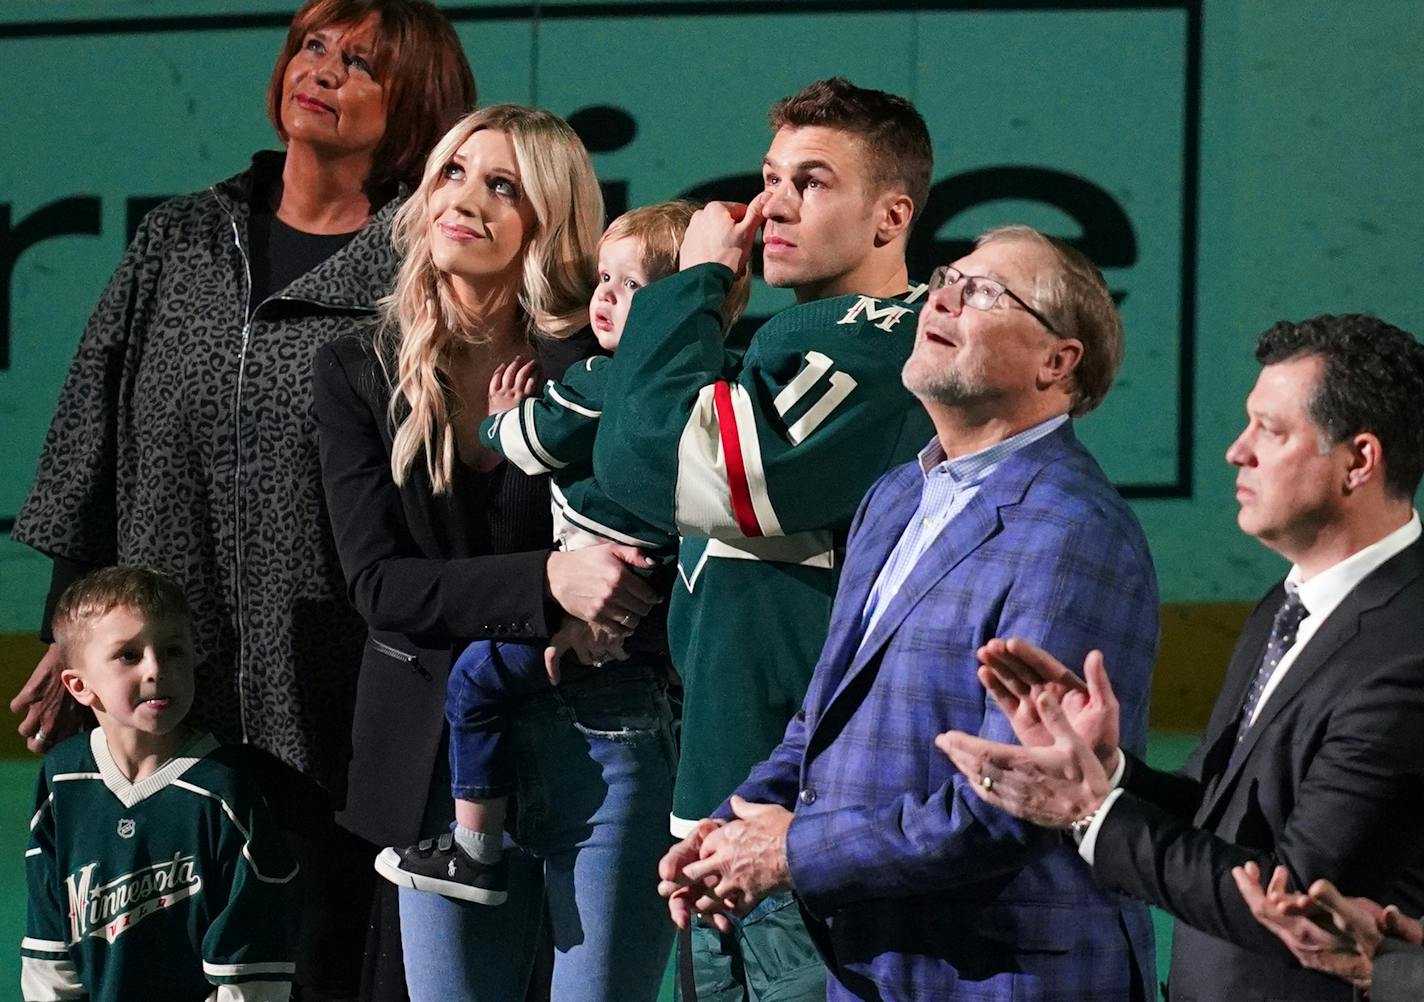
(1342, 626)
(967, 531)
(1245, 660)
(873, 545)
(1209, 761)
(965, 534)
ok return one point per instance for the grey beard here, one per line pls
(948, 388)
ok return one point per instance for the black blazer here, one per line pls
(427, 573)
(1329, 783)
(1399, 972)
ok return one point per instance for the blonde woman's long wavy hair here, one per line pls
(422, 323)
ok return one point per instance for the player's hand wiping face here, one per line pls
(722, 232)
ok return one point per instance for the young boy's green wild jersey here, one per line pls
(177, 888)
(759, 464)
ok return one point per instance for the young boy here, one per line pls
(154, 870)
(549, 434)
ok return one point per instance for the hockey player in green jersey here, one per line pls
(154, 870)
(759, 464)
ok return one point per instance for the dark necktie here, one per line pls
(1283, 631)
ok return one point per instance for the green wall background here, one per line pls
(1311, 141)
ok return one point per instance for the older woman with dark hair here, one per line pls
(184, 438)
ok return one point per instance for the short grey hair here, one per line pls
(1076, 299)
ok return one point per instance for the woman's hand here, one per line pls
(599, 584)
(50, 714)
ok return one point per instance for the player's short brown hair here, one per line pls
(98, 593)
(659, 230)
(892, 133)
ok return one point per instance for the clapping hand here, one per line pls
(1016, 671)
(1067, 728)
(1049, 785)
(1323, 930)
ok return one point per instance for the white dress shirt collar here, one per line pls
(1322, 592)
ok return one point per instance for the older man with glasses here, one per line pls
(914, 887)
(1310, 766)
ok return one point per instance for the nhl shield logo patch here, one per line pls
(126, 827)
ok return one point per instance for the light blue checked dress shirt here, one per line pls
(950, 484)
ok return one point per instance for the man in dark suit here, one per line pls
(1312, 758)
(911, 887)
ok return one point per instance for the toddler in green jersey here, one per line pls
(154, 869)
(552, 433)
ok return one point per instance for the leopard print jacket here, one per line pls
(184, 440)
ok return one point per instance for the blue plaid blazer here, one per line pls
(914, 888)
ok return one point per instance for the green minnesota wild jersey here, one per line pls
(759, 463)
(176, 888)
(554, 433)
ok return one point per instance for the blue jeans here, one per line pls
(594, 767)
(487, 683)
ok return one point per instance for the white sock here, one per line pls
(482, 847)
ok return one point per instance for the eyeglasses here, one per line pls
(982, 293)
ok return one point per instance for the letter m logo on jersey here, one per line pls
(872, 311)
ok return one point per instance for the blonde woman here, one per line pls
(441, 547)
